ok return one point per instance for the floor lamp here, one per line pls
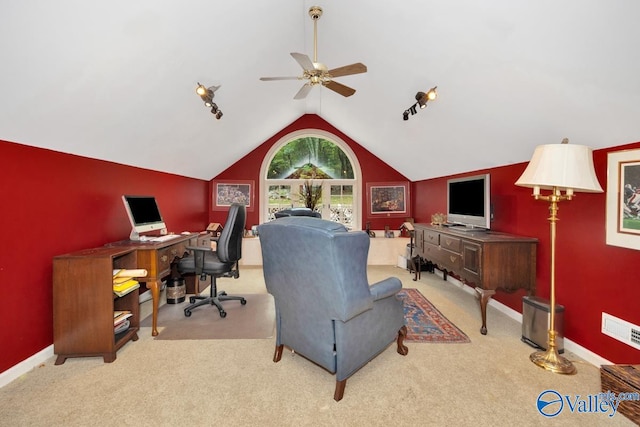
(558, 167)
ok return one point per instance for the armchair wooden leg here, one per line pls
(278, 354)
(339, 393)
(402, 333)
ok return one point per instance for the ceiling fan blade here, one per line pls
(340, 88)
(347, 70)
(266, 79)
(302, 93)
(304, 61)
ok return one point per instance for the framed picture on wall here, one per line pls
(226, 193)
(388, 199)
(623, 199)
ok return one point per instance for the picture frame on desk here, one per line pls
(388, 199)
(623, 199)
(227, 192)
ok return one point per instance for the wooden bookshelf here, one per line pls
(84, 302)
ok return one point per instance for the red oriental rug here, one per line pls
(425, 323)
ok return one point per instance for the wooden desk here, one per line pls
(156, 258)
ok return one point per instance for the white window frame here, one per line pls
(357, 172)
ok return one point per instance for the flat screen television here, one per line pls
(469, 202)
(144, 215)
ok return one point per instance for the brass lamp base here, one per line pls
(552, 361)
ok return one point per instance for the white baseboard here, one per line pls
(578, 350)
(25, 366)
(42, 356)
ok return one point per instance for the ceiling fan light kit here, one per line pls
(421, 101)
(316, 73)
(207, 94)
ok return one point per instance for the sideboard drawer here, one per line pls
(432, 252)
(450, 243)
(166, 257)
(432, 237)
(450, 260)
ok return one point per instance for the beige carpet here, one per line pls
(488, 382)
(254, 320)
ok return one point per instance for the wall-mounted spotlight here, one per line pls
(207, 94)
(422, 98)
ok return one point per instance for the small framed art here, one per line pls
(225, 193)
(388, 199)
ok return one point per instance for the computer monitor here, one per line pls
(144, 215)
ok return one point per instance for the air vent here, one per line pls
(621, 330)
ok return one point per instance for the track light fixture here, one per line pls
(421, 100)
(207, 94)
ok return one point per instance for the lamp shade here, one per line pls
(566, 166)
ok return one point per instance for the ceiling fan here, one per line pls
(317, 73)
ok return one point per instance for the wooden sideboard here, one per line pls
(487, 260)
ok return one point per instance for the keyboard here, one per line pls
(164, 238)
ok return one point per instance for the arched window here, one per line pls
(315, 169)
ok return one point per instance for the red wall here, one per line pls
(55, 203)
(373, 169)
(591, 277)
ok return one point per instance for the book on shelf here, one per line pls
(121, 280)
(120, 316)
(124, 280)
(121, 286)
(124, 288)
(122, 326)
(122, 292)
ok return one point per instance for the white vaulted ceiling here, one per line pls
(115, 80)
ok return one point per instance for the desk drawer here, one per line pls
(168, 254)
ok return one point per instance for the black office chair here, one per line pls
(223, 262)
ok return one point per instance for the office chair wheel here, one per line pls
(223, 313)
(187, 313)
(243, 301)
(192, 300)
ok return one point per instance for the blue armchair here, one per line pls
(297, 212)
(325, 309)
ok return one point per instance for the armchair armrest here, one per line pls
(385, 288)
